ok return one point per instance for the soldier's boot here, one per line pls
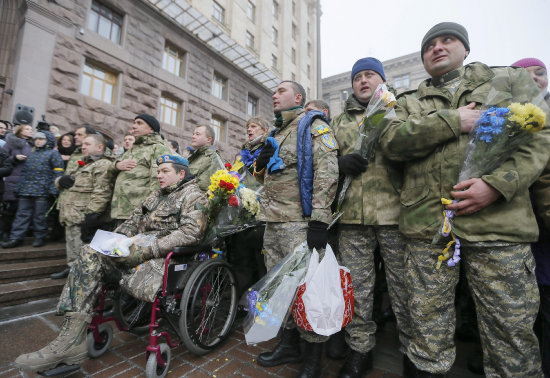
(69, 347)
(287, 351)
(357, 365)
(337, 348)
(311, 367)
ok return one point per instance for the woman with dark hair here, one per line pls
(66, 146)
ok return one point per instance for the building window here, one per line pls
(105, 22)
(170, 110)
(294, 31)
(293, 55)
(218, 124)
(252, 106)
(275, 10)
(219, 86)
(402, 81)
(309, 49)
(249, 40)
(273, 61)
(218, 12)
(274, 35)
(251, 11)
(98, 83)
(173, 60)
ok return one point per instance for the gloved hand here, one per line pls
(138, 255)
(317, 235)
(263, 158)
(66, 181)
(352, 164)
(89, 227)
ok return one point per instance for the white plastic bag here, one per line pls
(323, 298)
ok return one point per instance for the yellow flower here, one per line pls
(250, 201)
(529, 116)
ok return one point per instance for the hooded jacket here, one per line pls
(15, 146)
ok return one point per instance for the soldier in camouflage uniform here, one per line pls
(370, 219)
(205, 160)
(168, 214)
(87, 194)
(494, 219)
(136, 168)
(282, 209)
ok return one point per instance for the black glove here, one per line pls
(317, 235)
(89, 227)
(352, 164)
(263, 158)
(66, 181)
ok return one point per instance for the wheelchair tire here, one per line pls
(152, 369)
(133, 313)
(96, 349)
(208, 305)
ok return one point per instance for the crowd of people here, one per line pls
(393, 205)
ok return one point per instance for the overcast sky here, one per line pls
(500, 32)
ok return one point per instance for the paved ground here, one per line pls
(126, 356)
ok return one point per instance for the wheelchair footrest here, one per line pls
(59, 370)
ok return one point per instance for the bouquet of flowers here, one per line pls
(498, 133)
(231, 207)
(269, 300)
(370, 128)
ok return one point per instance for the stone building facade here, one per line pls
(102, 62)
(402, 73)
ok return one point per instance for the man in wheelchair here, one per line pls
(169, 214)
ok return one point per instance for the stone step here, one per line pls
(31, 270)
(26, 291)
(27, 253)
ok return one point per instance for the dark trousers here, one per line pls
(542, 328)
(30, 210)
(8, 215)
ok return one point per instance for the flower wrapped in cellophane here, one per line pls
(497, 134)
(269, 301)
(380, 106)
(231, 206)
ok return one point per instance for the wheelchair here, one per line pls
(197, 302)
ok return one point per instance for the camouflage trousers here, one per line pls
(73, 243)
(280, 239)
(357, 246)
(502, 281)
(89, 272)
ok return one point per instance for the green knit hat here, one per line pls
(443, 28)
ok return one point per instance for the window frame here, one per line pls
(179, 56)
(216, 12)
(220, 130)
(111, 78)
(178, 110)
(222, 81)
(98, 11)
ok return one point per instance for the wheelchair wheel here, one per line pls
(152, 369)
(133, 313)
(209, 305)
(97, 349)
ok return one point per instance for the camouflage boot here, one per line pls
(69, 347)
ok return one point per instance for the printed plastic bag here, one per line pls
(325, 301)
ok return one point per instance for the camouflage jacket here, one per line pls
(427, 137)
(170, 215)
(132, 187)
(203, 163)
(280, 198)
(373, 197)
(72, 164)
(91, 192)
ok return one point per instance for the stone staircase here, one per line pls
(25, 273)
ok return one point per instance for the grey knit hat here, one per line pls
(443, 28)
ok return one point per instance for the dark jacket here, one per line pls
(42, 167)
(14, 146)
(6, 167)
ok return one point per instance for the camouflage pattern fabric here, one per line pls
(357, 244)
(427, 137)
(168, 214)
(502, 281)
(73, 243)
(72, 164)
(372, 197)
(203, 163)
(280, 198)
(90, 193)
(280, 239)
(132, 187)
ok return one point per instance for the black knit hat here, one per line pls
(151, 121)
(443, 28)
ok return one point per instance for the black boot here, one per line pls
(287, 351)
(38, 242)
(337, 348)
(12, 243)
(311, 367)
(59, 275)
(357, 365)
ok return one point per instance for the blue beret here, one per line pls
(174, 159)
(364, 64)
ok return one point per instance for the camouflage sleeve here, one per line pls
(130, 225)
(102, 192)
(191, 228)
(325, 168)
(56, 162)
(541, 196)
(414, 134)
